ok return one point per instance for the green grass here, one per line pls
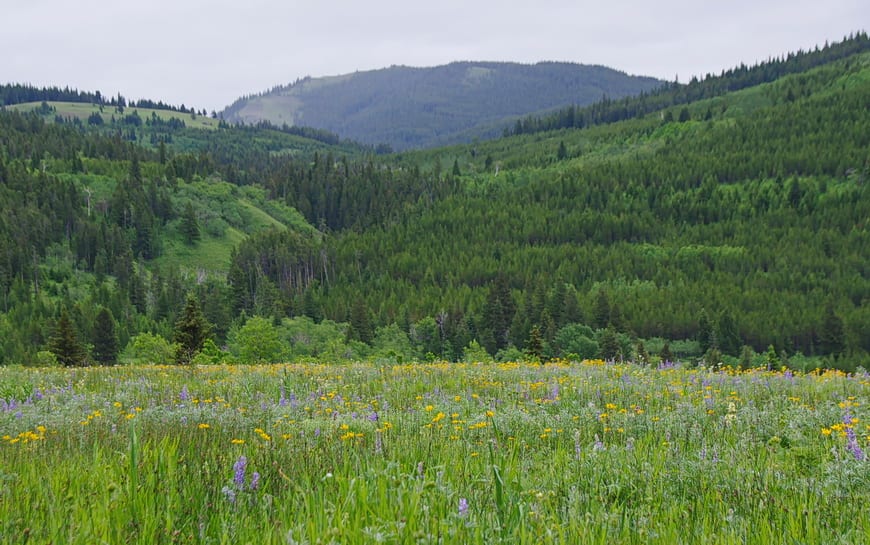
(83, 111)
(258, 218)
(211, 254)
(368, 453)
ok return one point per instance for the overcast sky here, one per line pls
(207, 53)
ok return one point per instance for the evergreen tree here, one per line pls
(642, 354)
(360, 326)
(498, 315)
(191, 331)
(189, 225)
(608, 344)
(705, 331)
(563, 151)
(746, 355)
(832, 338)
(601, 312)
(728, 337)
(105, 339)
(665, 354)
(64, 344)
(535, 344)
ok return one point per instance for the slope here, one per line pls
(407, 107)
(752, 209)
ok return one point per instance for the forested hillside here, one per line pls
(730, 227)
(405, 107)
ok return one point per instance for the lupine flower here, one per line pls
(255, 480)
(239, 472)
(851, 440)
(463, 507)
(184, 395)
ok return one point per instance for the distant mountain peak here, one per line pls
(413, 107)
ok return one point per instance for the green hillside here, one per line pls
(84, 111)
(407, 107)
(726, 226)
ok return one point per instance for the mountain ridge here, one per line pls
(418, 107)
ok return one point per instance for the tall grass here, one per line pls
(438, 453)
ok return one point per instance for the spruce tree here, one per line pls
(105, 339)
(190, 226)
(608, 344)
(191, 331)
(832, 338)
(665, 354)
(360, 327)
(601, 313)
(535, 345)
(705, 331)
(64, 344)
(642, 354)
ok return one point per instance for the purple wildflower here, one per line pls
(463, 507)
(554, 391)
(851, 439)
(239, 472)
(255, 480)
(184, 395)
(598, 445)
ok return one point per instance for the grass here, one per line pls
(82, 111)
(436, 453)
(210, 254)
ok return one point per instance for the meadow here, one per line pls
(587, 452)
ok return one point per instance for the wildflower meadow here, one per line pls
(566, 452)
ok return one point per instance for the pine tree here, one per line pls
(705, 331)
(191, 331)
(642, 354)
(601, 313)
(563, 151)
(105, 339)
(189, 225)
(728, 337)
(832, 338)
(64, 344)
(535, 344)
(746, 355)
(665, 354)
(498, 315)
(360, 327)
(608, 344)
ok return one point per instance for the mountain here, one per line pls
(407, 107)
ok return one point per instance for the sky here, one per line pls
(207, 53)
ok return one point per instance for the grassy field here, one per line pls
(436, 453)
(83, 111)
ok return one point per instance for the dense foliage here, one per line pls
(612, 109)
(732, 228)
